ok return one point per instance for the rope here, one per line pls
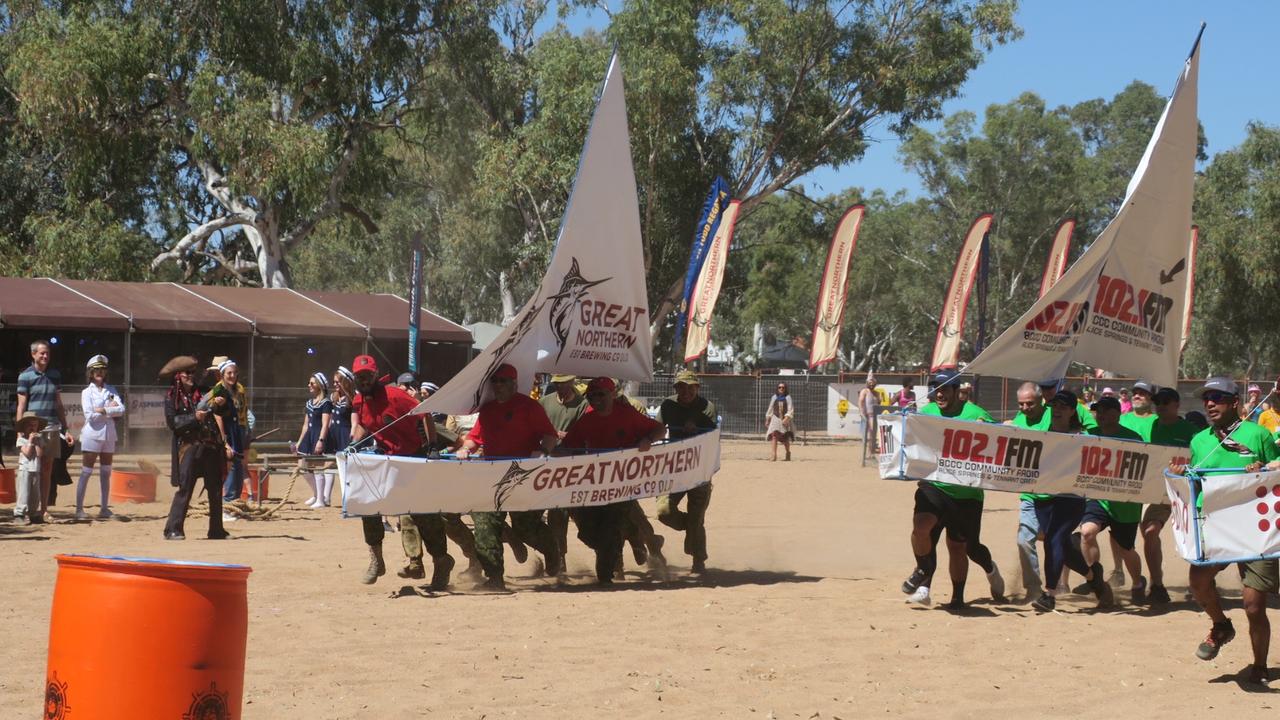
(244, 512)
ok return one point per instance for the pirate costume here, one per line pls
(198, 448)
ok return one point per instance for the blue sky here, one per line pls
(1076, 50)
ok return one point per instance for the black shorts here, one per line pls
(1126, 534)
(962, 519)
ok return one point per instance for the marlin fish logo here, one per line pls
(512, 479)
(499, 353)
(572, 288)
(826, 324)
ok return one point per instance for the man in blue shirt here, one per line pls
(39, 389)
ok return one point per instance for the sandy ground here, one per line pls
(801, 616)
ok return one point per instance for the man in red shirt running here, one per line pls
(608, 425)
(382, 411)
(511, 425)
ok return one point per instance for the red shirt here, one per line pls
(388, 405)
(514, 428)
(624, 427)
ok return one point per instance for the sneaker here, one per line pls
(1106, 598)
(1220, 634)
(1258, 675)
(219, 535)
(1158, 595)
(82, 516)
(1117, 578)
(1140, 591)
(22, 520)
(1081, 589)
(105, 514)
(227, 517)
(174, 536)
(920, 596)
(997, 583)
(1045, 603)
(317, 503)
(699, 567)
(916, 580)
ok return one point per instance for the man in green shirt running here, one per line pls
(955, 508)
(1033, 415)
(1172, 430)
(1121, 517)
(1139, 419)
(1049, 389)
(1230, 442)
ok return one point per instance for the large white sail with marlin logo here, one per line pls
(590, 316)
(1121, 305)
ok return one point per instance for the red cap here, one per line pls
(364, 363)
(504, 372)
(602, 383)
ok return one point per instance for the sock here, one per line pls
(927, 564)
(957, 592)
(327, 480)
(311, 483)
(104, 480)
(979, 553)
(81, 486)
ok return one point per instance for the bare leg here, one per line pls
(1255, 608)
(1205, 591)
(1089, 543)
(1153, 552)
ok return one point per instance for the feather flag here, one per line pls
(1058, 254)
(946, 346)
(1189, 297)
(704, 232)
(834, 288)
(703, 302)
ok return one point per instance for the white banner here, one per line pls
(590, 316)
(844, 418)
(145, 409)
(1120, 306)
(1013, 459)
(392, 485)
(707, 288)
(1182, 516)
(1240, 516)
(834, 288)
(946, 346)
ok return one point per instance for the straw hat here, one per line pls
(181, 363)
(29, 423)
(216, 363)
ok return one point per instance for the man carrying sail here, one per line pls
(1232, 442)
(511, 425)
(687, 414)
(956, 508)
(1169, 428)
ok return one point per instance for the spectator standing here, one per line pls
(314, 434)
(778, 428)
(233, 424)
(39, 389)
(869, 406)
(101, 405)
(28, 430)
(907, 395)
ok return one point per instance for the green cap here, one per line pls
(687, 377)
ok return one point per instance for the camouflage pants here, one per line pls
(428, 531)
(691, 520)
(527, 527)
(454, 528)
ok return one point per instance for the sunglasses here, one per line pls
(1213, 396)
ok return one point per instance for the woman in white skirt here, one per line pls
(101, 405)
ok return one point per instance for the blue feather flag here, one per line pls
(708, 222)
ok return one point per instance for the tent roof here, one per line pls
(44, 303)
(169, 307)
(388, 316)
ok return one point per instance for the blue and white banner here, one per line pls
(704, 232)
(1238, 517)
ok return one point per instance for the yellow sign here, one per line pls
(842, 407)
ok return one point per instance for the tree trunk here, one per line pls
(508, 300)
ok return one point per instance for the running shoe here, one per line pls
(916, 580)
(921, 596)
(1044, 603)
(1140, 591)
(1258, 675)
(1220, 634)
(105, 514)
(997, 583)
(81, 516)
(1158, 595)
(1117, 578)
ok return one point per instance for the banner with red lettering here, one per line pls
(1188, 299)
(946, 346)
(703, 301)
(590, 314)
(1014, 459)
(834, 289)
(1238, 516)
(392, 485)
(1120, 306)
(1058, 254)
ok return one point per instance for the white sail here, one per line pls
(1120, 306)
(590, 315)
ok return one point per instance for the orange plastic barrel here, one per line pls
(129, 486)
(145, 638)
(8, 490)
(251, 486)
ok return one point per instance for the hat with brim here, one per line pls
(602, 384)
(1220, 383)
(1144, 386)
(217, 362)
(504, 372)
(563, 378)
(1165, 395)
(29, 423)
(1064, 397)
(95, 362)
(687, 377)
(1106, 403)
(181, 363)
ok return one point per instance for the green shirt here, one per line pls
(1120, 511)
(564, 414)
(1177, 434)
(700, 415)
(1140, 424)
(1020, 420)
(1252, 443)
(968, 411)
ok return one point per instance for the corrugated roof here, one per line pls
(163, 307)
(43, 303)
(388, 316)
